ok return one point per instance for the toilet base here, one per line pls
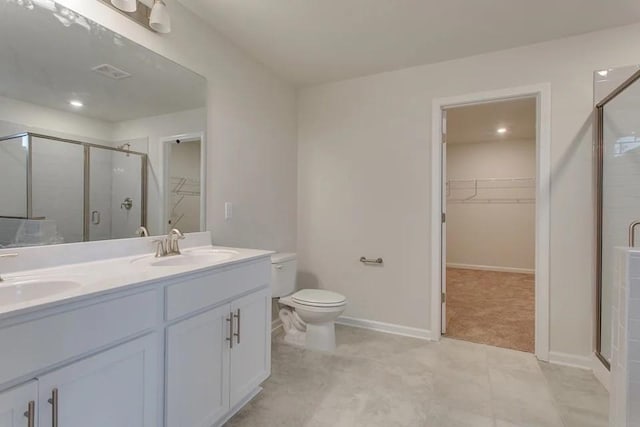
(321, 336)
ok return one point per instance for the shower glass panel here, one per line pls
(58, 187)
(14, 154)
(619, 192)
(116, 204)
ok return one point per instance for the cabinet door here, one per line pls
(251, 353)
(15, 403)
(197, 369)
(117, 387)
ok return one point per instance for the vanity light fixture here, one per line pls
(126, 5)
(502, 131)
(151, 14)
(76, 103)
(160, 20)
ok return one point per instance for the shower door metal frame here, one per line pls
(144, 161)
(599, 160)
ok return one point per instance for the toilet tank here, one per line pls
(283, 274)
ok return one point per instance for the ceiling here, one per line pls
(315, 41)
(479, 123)
(48, 53)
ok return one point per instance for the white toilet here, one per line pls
(308, 316)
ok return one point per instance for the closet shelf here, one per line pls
(491, 191)
(182, 186)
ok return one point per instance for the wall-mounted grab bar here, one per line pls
(632, 233)
(365, 260)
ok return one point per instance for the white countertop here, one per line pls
(99, 277)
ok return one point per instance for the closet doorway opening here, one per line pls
(491, 157)
(184, 178)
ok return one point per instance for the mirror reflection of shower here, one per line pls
(67, 190)
(183, 187)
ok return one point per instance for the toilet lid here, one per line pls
(318, 297)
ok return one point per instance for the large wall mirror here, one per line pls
(98, 135)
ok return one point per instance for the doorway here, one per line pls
(489, 170)
(488, 192)
(183, 183)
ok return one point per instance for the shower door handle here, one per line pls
(632, 233)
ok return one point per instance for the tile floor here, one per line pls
(377, 379)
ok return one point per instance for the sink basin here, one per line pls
(17, 291)
(203, 256)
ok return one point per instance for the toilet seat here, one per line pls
(318, 298)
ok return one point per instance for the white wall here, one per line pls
(494, 235)
(364, 178)
(18, 116)
(251, 132)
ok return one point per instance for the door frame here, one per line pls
(542, 93)
(166, 141)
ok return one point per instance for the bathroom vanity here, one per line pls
(179, 341)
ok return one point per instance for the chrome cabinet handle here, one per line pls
(237, 334)
(54, 407)
(230, 338)
(31, 414)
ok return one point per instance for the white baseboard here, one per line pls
(490, 268)
(275, 324)
(388, 328)
(582, 362)
(601, 372)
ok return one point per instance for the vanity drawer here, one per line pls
(219, 286)
(37, 344)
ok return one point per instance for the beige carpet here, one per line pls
(489, 307)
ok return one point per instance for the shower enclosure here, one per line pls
(58, 190)
(618, 194)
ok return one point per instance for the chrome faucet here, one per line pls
(142, 231)
(169, 245)
(174, 236)
(7, 256)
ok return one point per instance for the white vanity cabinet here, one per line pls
(18, 406)
(216, 360)
(117, 387)
(187, 351)
(197, 367)
(251, 353)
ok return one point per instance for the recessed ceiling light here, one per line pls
(502, 130)
(76, 103)
(603, 73)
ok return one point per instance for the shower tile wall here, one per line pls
(625, 363)
(125, 182)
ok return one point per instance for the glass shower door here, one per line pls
(116, 194)
(619, 144)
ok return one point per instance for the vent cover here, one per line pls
(110, 71)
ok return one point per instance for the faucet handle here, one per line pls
(161, 248)
(177, 234)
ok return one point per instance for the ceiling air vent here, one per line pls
(111, 72)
